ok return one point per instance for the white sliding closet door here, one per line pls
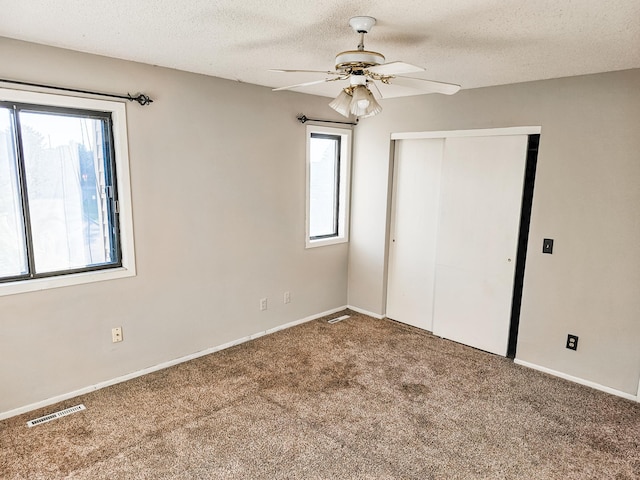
(414, 219)
(477, 241)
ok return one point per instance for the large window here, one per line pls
(328, 160)
(59, 191)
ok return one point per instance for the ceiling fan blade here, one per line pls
(425, 86)
(326, 72)
(395, 68)
(306, 84)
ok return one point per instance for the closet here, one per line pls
(454, 230)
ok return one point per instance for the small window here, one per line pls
(328, 160)
(59, 205)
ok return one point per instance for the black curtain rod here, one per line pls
(303, 119)
(141, 98)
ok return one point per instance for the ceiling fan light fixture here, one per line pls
(356, 100)
(342, 103)
(364, 103)
(360, 101)
(374, 107)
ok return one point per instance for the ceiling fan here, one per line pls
(362, 69)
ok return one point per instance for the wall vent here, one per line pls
(338, 319)
(53, 416)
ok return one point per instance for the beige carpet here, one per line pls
(361, 399)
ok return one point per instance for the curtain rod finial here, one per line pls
(141, 98)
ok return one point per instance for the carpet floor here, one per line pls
(359, 399)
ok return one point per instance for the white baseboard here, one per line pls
(304, 320)
(581, 381)
(365, 312)
(160, 366)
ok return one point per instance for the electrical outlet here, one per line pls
(572, 342)
(263, 304)
(287, 297)
(116, 334)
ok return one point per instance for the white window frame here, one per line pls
(344, 185)
(121, 154)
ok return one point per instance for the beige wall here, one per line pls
(217, 171)
(587, 197)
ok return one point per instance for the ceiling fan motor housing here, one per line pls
(357, 60)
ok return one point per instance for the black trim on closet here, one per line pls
(523, 237)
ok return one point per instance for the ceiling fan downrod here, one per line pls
(361, 44)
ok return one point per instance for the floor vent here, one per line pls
(53, 416)
(339, 319)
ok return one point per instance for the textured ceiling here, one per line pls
(473, 43)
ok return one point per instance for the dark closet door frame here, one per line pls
(523, 241)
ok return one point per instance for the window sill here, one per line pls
(326, 241)
(24, 286)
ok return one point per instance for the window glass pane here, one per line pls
(13, 258)
(64, 159)
(323, 184)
